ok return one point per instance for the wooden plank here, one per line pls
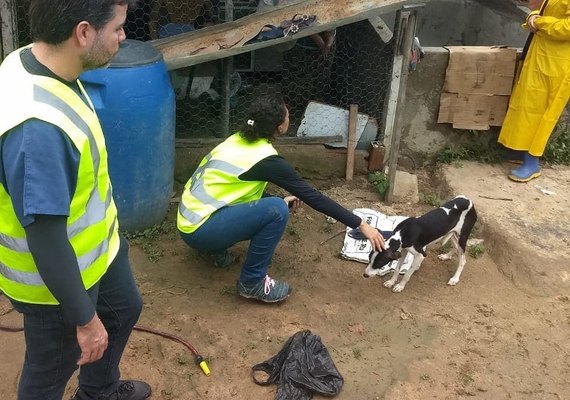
(392, 102)
(287, 140)
(408, 28)
(351, 142)
(227, 68)
(8, 27)
(228, 39)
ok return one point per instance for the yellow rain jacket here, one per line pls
(543, 88)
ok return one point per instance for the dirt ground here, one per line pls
(489, 337)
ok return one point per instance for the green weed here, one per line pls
(446, 247)
(152, 251)
(147, 238)
(430, 198)
(558, 149)
(356, 353)
(425, 377)
(327, 227)
(474, 150)
(476, 250)
(466, 378)
(247, 348)
(380, 182)
(182, 360)
(153, 232)
(227, 290)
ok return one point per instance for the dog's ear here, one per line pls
(395, 255)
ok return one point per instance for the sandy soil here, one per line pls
(484, 338)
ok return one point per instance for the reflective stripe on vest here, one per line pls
(216, 184)
(34, 278)
(199, 192)
(94, 207)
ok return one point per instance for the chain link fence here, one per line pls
(318, 85)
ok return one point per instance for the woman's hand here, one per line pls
(373, 235)
(293, 203)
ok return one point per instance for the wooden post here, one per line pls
(8, 27)
(351, 142)
(392, 103)
(227, 69)
(406, 33)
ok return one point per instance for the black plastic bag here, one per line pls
(302, 368)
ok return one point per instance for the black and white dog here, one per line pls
(454, 220)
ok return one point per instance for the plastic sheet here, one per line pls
(302, 368)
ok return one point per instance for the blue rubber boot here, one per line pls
(529, 170)
(515, 156)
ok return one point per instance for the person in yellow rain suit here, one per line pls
(543, 88)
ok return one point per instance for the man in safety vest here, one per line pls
(63, 263)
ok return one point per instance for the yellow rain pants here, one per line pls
(543, 88)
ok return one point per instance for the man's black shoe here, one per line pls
(127, 390)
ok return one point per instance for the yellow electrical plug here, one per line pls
(203, 365)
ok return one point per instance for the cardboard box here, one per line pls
(478, 83)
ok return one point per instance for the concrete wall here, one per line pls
(423, 137)
(469, 23)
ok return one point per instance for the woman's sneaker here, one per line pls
(267, 290)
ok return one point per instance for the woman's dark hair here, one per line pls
(53, 21)
(265, 114)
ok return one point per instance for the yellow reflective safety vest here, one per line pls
(543, 88)
(216, 184)
(92, 226)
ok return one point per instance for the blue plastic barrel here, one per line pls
(135, 103)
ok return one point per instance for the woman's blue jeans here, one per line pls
(262, 222)
(52, 351)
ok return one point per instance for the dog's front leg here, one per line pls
(418, 258)
(455, 278)
(389, 283)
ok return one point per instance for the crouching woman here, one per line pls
(223, 201)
